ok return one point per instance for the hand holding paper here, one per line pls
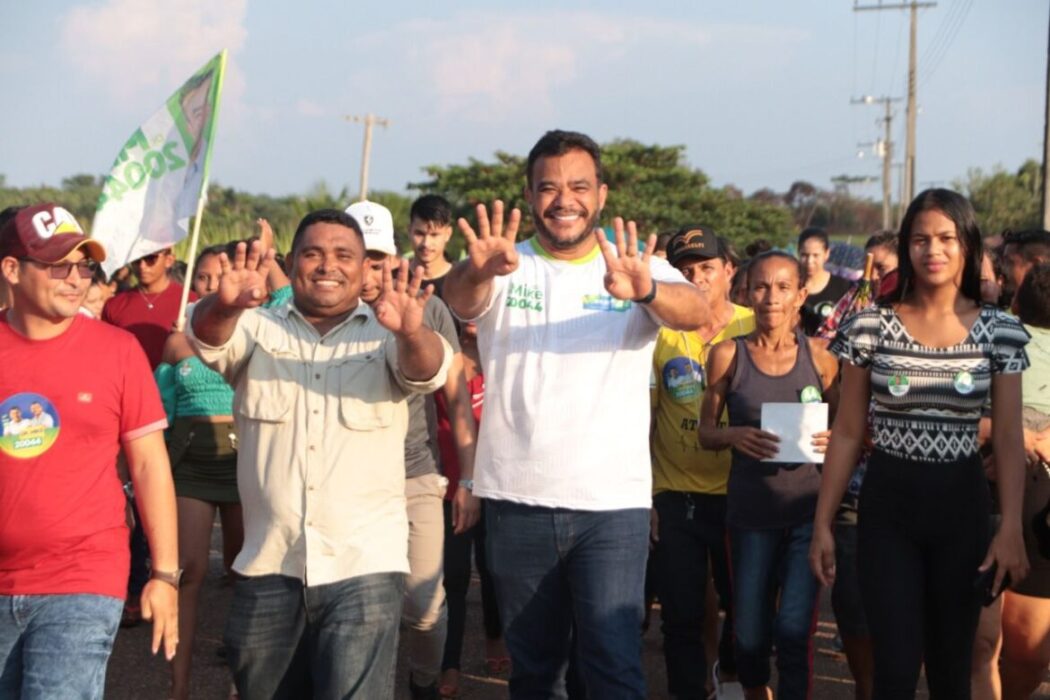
(802, 429)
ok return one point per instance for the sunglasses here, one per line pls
(150, 259)
(59, 271)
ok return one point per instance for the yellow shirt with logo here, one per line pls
(676, 388)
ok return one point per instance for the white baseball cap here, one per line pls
(377, 224)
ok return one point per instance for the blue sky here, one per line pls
(758, 91)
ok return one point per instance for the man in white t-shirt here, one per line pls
(566, 327)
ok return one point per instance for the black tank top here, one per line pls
(767, 495)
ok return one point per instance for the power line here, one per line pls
(936, 61)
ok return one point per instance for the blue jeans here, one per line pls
(555, 569)
(337, 640)
(771, 566)
(56, 646)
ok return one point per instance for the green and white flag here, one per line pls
(161, 173)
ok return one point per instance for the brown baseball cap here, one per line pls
(693, 242)
(48, 233)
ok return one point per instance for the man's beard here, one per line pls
(545, 234)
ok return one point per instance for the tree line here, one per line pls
(651, 184)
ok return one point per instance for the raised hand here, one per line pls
(491, 249)
(243, 281)
(627, 271)
(399, 307)
(265, 234)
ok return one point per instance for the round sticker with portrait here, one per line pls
(30, 425)
(683, 379)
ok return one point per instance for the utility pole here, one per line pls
(909, 141)
(369, 120)
(1046, 150)
(885, 149)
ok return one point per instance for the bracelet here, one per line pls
(172, 578)
(648, 298)
(468, 484)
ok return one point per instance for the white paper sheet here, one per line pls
(794, 424)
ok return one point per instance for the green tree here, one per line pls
(1005, 200)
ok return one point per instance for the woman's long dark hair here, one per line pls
(957, 208)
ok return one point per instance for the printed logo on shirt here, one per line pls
(683, 379)
(30, 425)
(604, 302)
(525, 296)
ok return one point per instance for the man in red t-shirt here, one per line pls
(149, 309)
(63, 539)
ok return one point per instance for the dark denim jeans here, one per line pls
(56, 646)
(692, 530)
(337, 640)
(775, 599)
(556, 569)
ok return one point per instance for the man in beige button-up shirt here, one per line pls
(320, 387)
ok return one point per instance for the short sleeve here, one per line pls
(438, 318)
(1008, 345)
(857, 337)
(141, 411)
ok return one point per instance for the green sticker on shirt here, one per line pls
(811, 394)
(30, 425)
(898, 385)
(964, 383)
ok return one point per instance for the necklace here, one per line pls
(145, 297)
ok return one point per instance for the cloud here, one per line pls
(130, 47)
(486, 66)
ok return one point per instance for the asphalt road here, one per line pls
(135, 675)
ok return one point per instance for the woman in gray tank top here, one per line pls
(770, 504)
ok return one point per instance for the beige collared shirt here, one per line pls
(321, 427)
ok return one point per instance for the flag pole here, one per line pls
(191, 253)
(191, 256)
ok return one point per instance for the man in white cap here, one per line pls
(424, 612)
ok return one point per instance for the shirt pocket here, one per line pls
(272, 387)
(365, 398)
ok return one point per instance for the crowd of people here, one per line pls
(584, 417)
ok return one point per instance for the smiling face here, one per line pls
(37, 294)
(566, 200)
(935, 250)
(327, 270)
(775, 291)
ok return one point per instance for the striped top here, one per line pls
(928, 401)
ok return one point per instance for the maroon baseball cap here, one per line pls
(48, 233)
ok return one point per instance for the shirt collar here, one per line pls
(361, 314)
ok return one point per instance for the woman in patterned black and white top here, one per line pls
(929, 360)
